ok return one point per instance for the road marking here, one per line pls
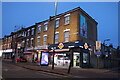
(54, 74)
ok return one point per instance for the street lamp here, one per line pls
(54, 31)
(105, 40)
(104, 48)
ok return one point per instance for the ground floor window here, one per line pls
(76, 59)
(85, 58)
(61, 59)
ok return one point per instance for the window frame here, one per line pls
(38, 40)
(57, 24)
(45, 40)
(39, 29)
(66, 37)
(46, 26)
(67, 19)
(56, 39)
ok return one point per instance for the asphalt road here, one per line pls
(9, 70)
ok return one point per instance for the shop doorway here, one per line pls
(86, 60)
(76, 59)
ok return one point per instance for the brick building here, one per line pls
(75, 30)
(74, 39)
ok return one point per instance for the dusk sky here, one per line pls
(29, 13)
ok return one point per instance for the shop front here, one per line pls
(30, 54)
(38, 54)
(7, 54)
(75, 52)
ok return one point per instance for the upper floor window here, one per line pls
(66, 36)
(32, 42)
(23, 42)
(39, 28)
(32, 31)
(57, 22)
(27, 42)
(45, 40)
(28, 33)
(56, 37)
(25, 34)
(38, 41)
(46, 26)
(67, 19)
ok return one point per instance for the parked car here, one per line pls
(21, 59)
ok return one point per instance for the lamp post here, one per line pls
(104, 43)
(54, 31)
(104, 49)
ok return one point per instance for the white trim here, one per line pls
(27, 39)
(56, 32)
(33, 28)
(45, 23)
(66, 30)
(28, 29)
(60, 50)
(23, 41)
(32, 38)
(39, 25)
(38, 37)
(44, 35)
(66, 15)
(57, 18)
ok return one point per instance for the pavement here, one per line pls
(74, 72)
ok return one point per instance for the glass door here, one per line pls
(76, 59)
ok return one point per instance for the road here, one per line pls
(11, 71)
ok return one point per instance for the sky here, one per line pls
(28, 13)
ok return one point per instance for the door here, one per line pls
(85, 59)
(76, 59)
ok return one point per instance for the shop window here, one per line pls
(85, 58)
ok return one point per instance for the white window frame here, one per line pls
(31, 42)
(45, 40)
(56, 37)
(46, 26)
(57, 22)
(28, 32)
(66, 37)
(39, 29)
(27, 42)
(32, 31)
(67, 19)
(38, 41)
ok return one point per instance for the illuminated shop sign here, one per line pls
(44, 58)
(61, 45)
(97, 53)
(86, 46)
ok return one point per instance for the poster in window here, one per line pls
(83, 26)
(44, 58)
